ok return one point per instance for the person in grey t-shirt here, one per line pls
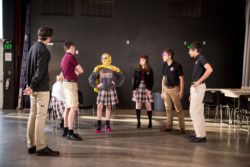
(104, 79)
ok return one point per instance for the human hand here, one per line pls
(27, 91)
(180, 94)
(162, 95)
(77, 73)
(196, 83)
(148, 92)
(99, 85)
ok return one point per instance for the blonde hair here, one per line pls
(109, 58)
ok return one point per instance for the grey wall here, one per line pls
(146, 25)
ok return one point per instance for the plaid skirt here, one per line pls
(57, 107)
(141, 95)
(107, 97)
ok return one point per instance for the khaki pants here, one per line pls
(196, 109)
(71, 94)
(38, 112)
(171, 98)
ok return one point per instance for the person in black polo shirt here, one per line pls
(172, 89)
(202, 70)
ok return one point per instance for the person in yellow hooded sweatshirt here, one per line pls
(104, 79)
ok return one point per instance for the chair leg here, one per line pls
(230, 116)
(93, 120)
(238, 121)
(248, 122)
(81, 113)
(208, 112)
(54, 127)
(217, 109)
(234, 113)
(220, 114)
(216, 113)
(227, 111)
(78, 119)
(241, 120)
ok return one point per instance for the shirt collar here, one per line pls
(173, 62)
(69, 53)
(197, 57)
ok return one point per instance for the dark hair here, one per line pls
(44, 32)
(195, 45)
(147, 65)
(68, 44)
(170, 52)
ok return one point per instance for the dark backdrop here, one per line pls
(149, 28)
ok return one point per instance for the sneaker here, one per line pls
(198, 140)
(74, 136)
(47, 152)
(32, 150)
(97, 131)
(65, 132)
(108, 129)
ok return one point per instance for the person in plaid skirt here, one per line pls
(104, 79)
(143, 80)
(57, 101)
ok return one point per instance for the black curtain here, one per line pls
(19, 24)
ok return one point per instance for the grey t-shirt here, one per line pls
(106, 76)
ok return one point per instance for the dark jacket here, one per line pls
(106, 76)
(148, 79)
(37, 75)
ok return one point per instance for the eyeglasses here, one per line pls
(163, 53)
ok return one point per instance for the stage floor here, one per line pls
(126, 146)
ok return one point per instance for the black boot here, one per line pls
(138, 115)
(149, 119)
(65, 131)
(62, 124)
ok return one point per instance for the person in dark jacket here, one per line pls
(37, 78)
(104, 79)
(143, 80)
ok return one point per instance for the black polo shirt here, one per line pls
(172, 73)
(199, 68)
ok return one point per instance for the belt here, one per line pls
(200, 83)
(69, 80)
(171, 87)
